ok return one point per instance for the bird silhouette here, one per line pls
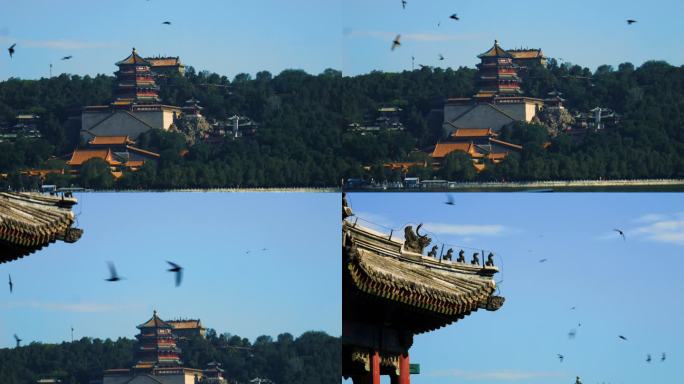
(264, 249)
(11, 285)
(621, 234)
(622, 337)
(424, 66)
(450, 200)
(441, 57)
(396, 42)
(648, 358)
(572, 334)
(631, 21)
(455, 17)
(542, 261)
(439, 23)
(11, 49)
(167, 23)
(67, 57)
(560, 357)
(662, 357)
(403, 4)
(113, 276)
(572, 308)
(178, 270)
(18, 340)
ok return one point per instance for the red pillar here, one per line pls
(375, 368)
(404, 370)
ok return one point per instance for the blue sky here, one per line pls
(588, 33)
(294, 286)
(226, 37)
(230, 37)
(617, 287)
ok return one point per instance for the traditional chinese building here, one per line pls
(158, 359)
(187, 328)
(392, 292)
(164, 66)
(498, 100)
(119, 152)
(479, 143)
(136, 107)
(31, 221)
(525, 58)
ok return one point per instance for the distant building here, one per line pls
(25, 127)
(498, 101)
(158, 360)
(386, 118)
(118, 152)
(525, 58)
(163, 66)
(480, 144)
(187, 328)
(136, 108)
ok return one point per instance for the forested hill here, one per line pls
(298, 142)
(312, 358)
(303, 138)
(648, 143)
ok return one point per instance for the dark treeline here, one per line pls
(648, 143)
(302, 140)
(298, 142)
(312, 358)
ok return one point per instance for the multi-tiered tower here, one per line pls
(135, 83)
(158, 348)
(498, 75)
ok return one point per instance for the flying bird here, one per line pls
(631, 21)
(178, 270)
(11, 285)
(439, 23)
(450, 200)
(403, 4)
(542, 260)
(455, 17)
(621, 234)
(560, 357)
(441, 57)
(622, 337)
(572, 334)
(396, 42)
(167, 23)
(67, 57)
(648, 358)
(113, 276)
(18, 340)
(662, 358)
(11, 49)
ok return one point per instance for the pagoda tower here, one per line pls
(498, 75)
(157, 346)
(135, 82)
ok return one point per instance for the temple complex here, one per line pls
(498, 100)
(31, 221)
(164, 66)
(187, 328)
(158, 360)
(136, 107)
(392, 292)
(479, 143)
(119, 152)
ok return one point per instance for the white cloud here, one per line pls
(464, 229)
(661, 228)
(68, 307)
(497, 375)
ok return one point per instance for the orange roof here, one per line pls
(506, 144)
(526, 53)
(443, 149)
(80, 156)
(110, 140)
(133, 58)
(495, 51)
(185, 324)
(164, 61)
(472, 132)
(403, 165)
(142, 151)
(154, 322)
